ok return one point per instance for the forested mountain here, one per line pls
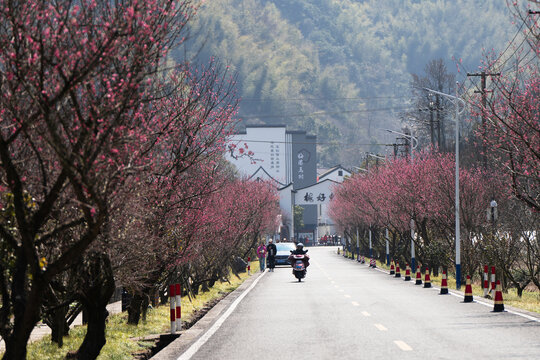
(341, 69)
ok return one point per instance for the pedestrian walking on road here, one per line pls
(271, 251)
(261, 253)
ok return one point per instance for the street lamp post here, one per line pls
(456, 100)
(375, 156)
(414, 140)
(387, 248)
(357, 245)
(278, 231)
(414, 144)
(387, 242)
(361, 169)
(370, 246)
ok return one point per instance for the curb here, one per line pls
(188, 337)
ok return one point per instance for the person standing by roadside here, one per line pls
(261, 253)
(271, 250)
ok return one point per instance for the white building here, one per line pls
(287, 157)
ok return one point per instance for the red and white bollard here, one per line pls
(178, 294)
(249, 266)
(173, 310)
(486, 282)
(493, 281)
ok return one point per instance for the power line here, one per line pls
(499, 57)
(310, 143)
(324, 113)
(323, 98)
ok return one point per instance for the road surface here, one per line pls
(346, 310)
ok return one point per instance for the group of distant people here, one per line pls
(267, 251)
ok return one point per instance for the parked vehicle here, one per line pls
(283, 252)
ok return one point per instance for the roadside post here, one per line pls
(178, 293)
(173, 308)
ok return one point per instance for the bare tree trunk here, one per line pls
(97, 289)
(26, 308)
(144, 305)
(134, 309)
(59, 327)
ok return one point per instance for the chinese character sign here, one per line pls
(314, 198)
(300, 166)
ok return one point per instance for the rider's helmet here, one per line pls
(299, 246)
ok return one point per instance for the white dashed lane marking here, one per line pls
(365, 313)
(380, 327)
(402, 345)
(355, 303)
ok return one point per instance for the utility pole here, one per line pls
(483, 75)
(396, 147)
(440, 125)
(431, 127)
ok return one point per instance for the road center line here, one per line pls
(380, 327)
(402, 345)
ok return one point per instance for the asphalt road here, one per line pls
(345, 310)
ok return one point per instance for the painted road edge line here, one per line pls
(486, 304)
(459, 295)
(192, 350)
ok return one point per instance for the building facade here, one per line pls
(288, 157)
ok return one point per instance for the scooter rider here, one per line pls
(300, 251)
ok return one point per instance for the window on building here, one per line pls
(340, 172)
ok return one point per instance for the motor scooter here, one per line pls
(298, 263)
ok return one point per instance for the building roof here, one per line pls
(244, 132)
(335, 168)
(265, 175)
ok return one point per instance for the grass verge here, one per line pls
(120, 336)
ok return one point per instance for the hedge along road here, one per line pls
(346, 310)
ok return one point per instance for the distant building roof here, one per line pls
(262, 174)
(262, 126)
(329, 171)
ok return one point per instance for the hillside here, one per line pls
(340, 68)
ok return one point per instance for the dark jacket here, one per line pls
(271, 250)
